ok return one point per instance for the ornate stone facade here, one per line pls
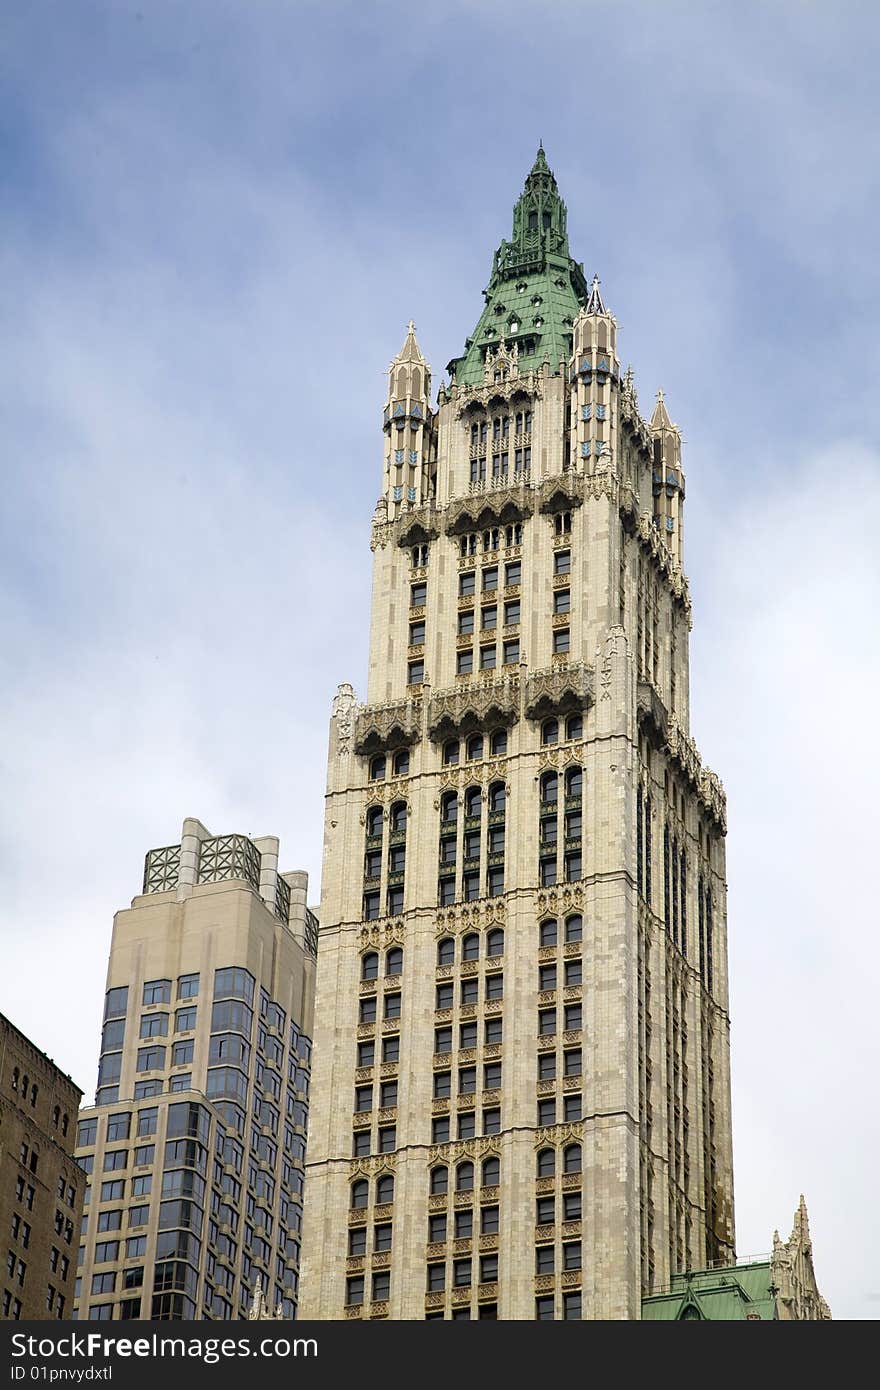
(522, 1006)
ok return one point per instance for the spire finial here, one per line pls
(595, 304)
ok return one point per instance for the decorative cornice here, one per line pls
(706, 783)
(380, 728)
(478, 705)
(555, 691)
(489, 505)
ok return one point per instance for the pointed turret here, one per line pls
(594, 372)
(536, 288)
(408, 423)
(668, 478)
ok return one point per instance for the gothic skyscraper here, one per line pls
(521, 1101)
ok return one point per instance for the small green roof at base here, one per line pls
(536, 289)
(731, 1294)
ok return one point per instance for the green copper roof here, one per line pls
(731, 1294)
(536, 288)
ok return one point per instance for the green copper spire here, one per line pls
(536, 288)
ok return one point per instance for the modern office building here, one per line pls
(521, 1092)
(41, 1184)
(195, 1145)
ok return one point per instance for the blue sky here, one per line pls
(215, 222)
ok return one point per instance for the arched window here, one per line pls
(15, 1075)
(464, 1177)
(451, 752)
(571, 1159)
(495, 942)
(548, 932)
(394, 961)
(497, 796)
(398, 816)
(573, 781)
(33, 1096)
(449, 806)
(574, 928)
(446, 951)
(56, 1116)
(549, 787)
(470, 947)
(547, 1163)
(550, 731)
(360, 1194)
(377, 768)
(574, 726)
(374, 821)
(370, 966)
(499, 742)
(472, 800)
(401, 762)
(64, 1123)
(491, 1172)
(439, 1181)
(384, 1189)
(475, 747)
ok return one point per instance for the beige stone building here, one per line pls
(521, 1092)
(196, 1143)
(41, 1185)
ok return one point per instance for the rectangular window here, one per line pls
(548, 872)
(573, 1017)
(366, 1054)
(372, 863)
(372, 903)
(357, 1241)
(418, 595)
(573, 1062)
(561, 639)
(436, 1278)
(464, 1224)
(157, 992)
(387, 1139)
(490, 579)
(467, 583)
(467, 1125)
(495, 986)
(562, 562)
(489, 1221)
(188, 986)
(489, 618)
(492, 1076)
(494, 1030)
(511, 613)
(416, 634)
(182, 1053)
(416, 672)
(467, 1035)
(545, 1259)
(495, 881)
(445, 891)
(511, 652)
(573, 867)
(150, 1058)
(488, 1269)
(363, 1098)
(440, 1130)
(571, 1206)
(112, 1191)
(392, 1006)
(115, 1159)
(354, 1291)
(185, 1019)
(545, 1211)
(562, 601)
(466, 623)
(391, 1049)
(546, 1022)
(571, 1307)
(117, 1128)
(442, 1085)
(465, 662)
(492, 1120)
(381, 1286)
(547, 977)
(471, 887)
(461, 1273)
(442, 1040)
(467, 1080)
(106, 1251)
(513, 572)
(571, 1255)
(470, 991)
(367, 1010)
(488, 658)
(436, 1230)
(547, 1112)
(571, 1108)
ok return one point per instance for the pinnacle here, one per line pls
(410, 352)
(595, 303)
(660, 419)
